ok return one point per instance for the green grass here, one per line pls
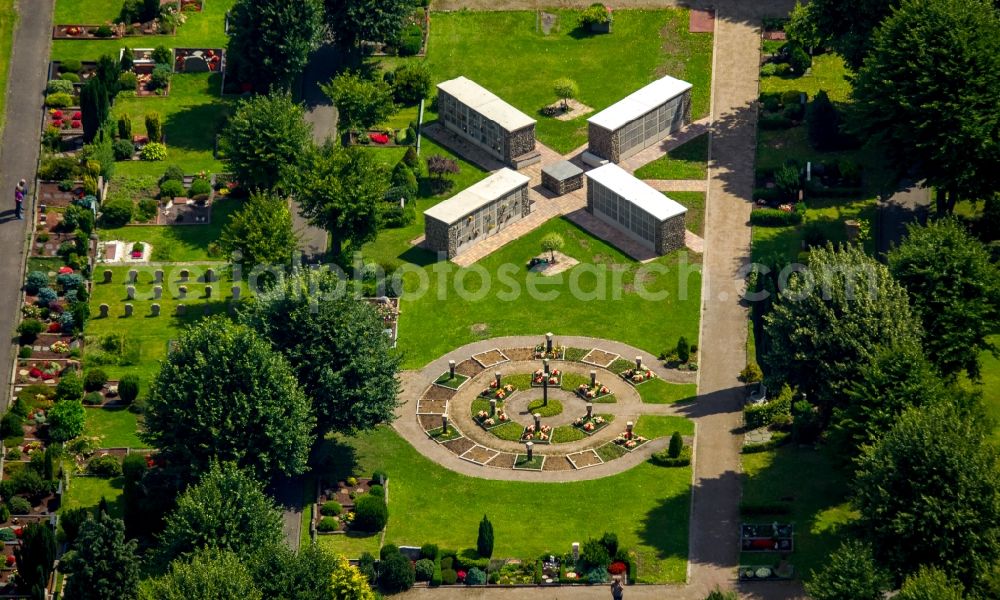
(439, 320)
(828, 73)
(178, 243)
(448, 381)
(657, 426)
(536, 462)
(817, 491)
(116, 427)
(86, 492)
(991, 386)
(431, 504)
(567, 433)
(687, 161)
(8, 21)
(694, 221)
(657, 391)
(204, 29)
(553, 408)
(509, 431)
(826, 214)
(644, 46)
(352, 545)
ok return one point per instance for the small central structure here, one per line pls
(477, 212)
(644, 214)
(480, 117)
(639, 120)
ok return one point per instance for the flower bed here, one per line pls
(780, 572)
(199, 60)
(543, 435)
(775, 537)
(42, 371)
(538, 378)
(69, 121)
(497, 393)
(593, 393)
(637, 376)
(86, 32)
(630, 443)
(487, 422)
(558, 352)
(592, 425)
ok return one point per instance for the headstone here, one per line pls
(593, 378)
(158, 276)
(545, 366)
(130, 291)
(208, 291)
(576, 551)
(493, 407)
(108, 275)
(236, 292)
(548, 342)
(628, 429)
(185, 274)
(181, 310)
(209, 275)
(451, 369)
(538, 421)
(157, 292)
(497, 376)
(182, 292)
(128, 310)
(590, 410)
(545, 389)
(638, 363)
(104, 311)
(154, 310)
(529, 447)
(133, 275)
(444, 424)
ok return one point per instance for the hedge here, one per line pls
(761, 415)
(778, 438)
(664, 460)
(773, 217)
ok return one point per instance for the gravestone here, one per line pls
(208, 291)
(181, 310)
(128, 310)
(497, 375)
(493, 407)
(133, 276)
(628, 429)
(538, 421)
(444, 424)
(590, 410)
(157, 292)
(185, 274)
(209, 275)
(638, 363)
(158, 276)
(548, 342)
(104, 311)
(545, 388)
(182, 292)
(451, 369)
(593, 378)
(130, 291)
(154, 310)
(236, 292)
(529, 447)
(195, 64)
(576, 551)
(108, 275)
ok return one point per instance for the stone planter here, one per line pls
(600, 27)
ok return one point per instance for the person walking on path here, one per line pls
(19, 193)
(617, 589)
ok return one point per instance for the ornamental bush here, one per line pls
(449, 577)
(162, 55)
(70, 65)
(46, 296)
(29, 330)
(763, 414)
(93, 399)
(411, 81)
(331, 508)
(475, 576)
(160, 78)
(171, 188)
(59, 100)
(370, 514)
(35, 281)
(123, 149)
(154, 127)
(424, 569)
(676, 445)
(128, 82)
(411, 40)
(94, 379)
(327, 524)
(773, 217)
(116, 213)
(71, 77)
(105, 465)
(596, 14)
(69, 387)
(200, 187)
(153, 151)
(396, 573)
(128, 388)
(19, 506)
(377, 490)
(66, 419)
(172, 172)
(59, 86)
(594, 555)
(429, 551)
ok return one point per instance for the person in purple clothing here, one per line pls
(19, 193)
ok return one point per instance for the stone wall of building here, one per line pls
(602, 142)
(519, 142)
(440, 238)
(562, 187)
(670, 234)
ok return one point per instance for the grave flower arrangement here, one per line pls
(379, 138)
(592, 392)
(542, 434)
(630, 443)
(638, 375)
(60, 347)
(484, 420)
(10, 560)
(539, 377)
(591, 425)
(499, 393)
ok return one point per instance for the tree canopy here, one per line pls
(209, 575)
(341, 191)
(66, 420)
(929, 583)
(227, 510)
(955, 291)
(847, 25)
(35, 556)
(308, 574)
(353, 21)
(270, 40)
(103, 565)
(361, 103)
(265, 138)
(927, 94)
(224, 394)
(850, 573)
(261, 231)
(352, 384)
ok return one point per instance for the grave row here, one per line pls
(185, 275)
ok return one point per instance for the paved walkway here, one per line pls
(678, 185)
(19, 159)
(658, 151)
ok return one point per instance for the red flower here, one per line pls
(76, 124)
(461, 575)
(65, 269)
(46, 376)
(19, 532)
(54, 328)
(10, 560)
(379, 138)
(617, 568)
(77, 116)
(57, 114)
(35, 372)
(57, 123)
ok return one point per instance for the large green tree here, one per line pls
(341, 190)
(66, 420)
(35, 556)
(928, 493)
(270, 41)
(955, 291)
(94, 108)
(103, 566)
(846, 25)
(261, 231)
(227, 510)
(927, 95)
(831, 320)
(929, 583)
(850, 573)
(352, 21)
(352, 383)
(209, 575)
(303, 575)
(224, 394)
(266, 138)
(361, 103)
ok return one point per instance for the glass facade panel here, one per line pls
(630, 217)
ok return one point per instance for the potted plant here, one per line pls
(597, 18)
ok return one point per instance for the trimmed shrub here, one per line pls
(70, 65)
(123, 149)
(610, 542)
(411, 40)
(160, 78)
(395, 217)
(448, 577)
(116, 213)
(470, 557)
(162, 55)
(93, 399)
(664, 459)
(200, 187)
(683, 350)
(11, 424)
(751, 373)
(411, 160)
(379, 475)
(597, 575)
(386, 550)
(104, 31)
(171, 188)
(331, 508)
(35, 281)
(172, 172)
(153, 151)
(69, 387)
(377, 490)
(366, 564)
(799, 59)
(411, 81)
(594, 555)
(59, 86)
(370, 514)
(128, 388)
(70, 77)
(24, 352)
(484, 542)
(761, 415)
(396, 573)
(475, 576)
(676, 445)
(773, 217)
(94, 379)
(791, 97)
(59, 100)
(429, 551)
(105, 465)
(128, 82)
(424, 569)
(327, 524)
(19, 506)
(154, 127)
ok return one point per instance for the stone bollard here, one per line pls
(185, 274)
(493, 407)
(133, 276)
(182, 292)
(104, 311)
(593, 378)
(157, 292)
(545, 389)
(154, 310)
(108, 275)
(498, 376)
(208, 291)
(590, 410)
(638, 363)
(181, 310)
(209, 275)
(529, 447)
(545, 366)
(158, 276)
(451, 369)
(538, 421)
(130, 292)
(236, 292)
(576, 551)
(628, 429)
(548, 342)
(444, 424)
(128, 310)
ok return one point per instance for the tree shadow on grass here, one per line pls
(195, 127)
(419, 256)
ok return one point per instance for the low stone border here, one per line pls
(503, 358)
(589, 361)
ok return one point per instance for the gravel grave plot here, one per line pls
(459, 446)
(490, 358)
(437, 392)
(432, 406)
(479, 454)
(600, 358)
(557, 463)
(587, 458)
(519, 354)
(429, 422)
(504, 460)
(469, 368)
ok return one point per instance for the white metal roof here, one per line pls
(486, 103)
(640, 102)
(635, 191)
(476, 196)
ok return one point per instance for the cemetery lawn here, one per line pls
(658, 426)
(8, 20)
(528, 518)
(178, 243)
(439, 320)
(86, 492)
(694, 221)
(645, 45)
(819, 508)
(657, 391)
(687, 161)
(827, 214)
(205, 29)
(828, 73)
(991, 385)
(117, 427)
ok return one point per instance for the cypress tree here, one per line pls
(94, 108)
(484, 544)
